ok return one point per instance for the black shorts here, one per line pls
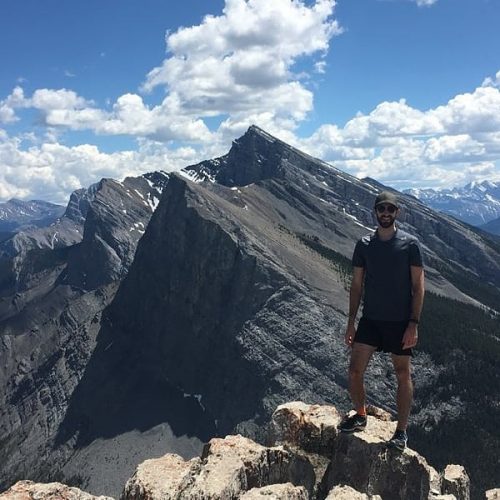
(386, 336)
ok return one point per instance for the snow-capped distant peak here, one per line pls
(476, 203)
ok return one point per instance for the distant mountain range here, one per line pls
(477, 203)
(16, 215)
(166, 309)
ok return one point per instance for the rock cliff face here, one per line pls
(34, 255)
(310, 185)
(114, 222)
(49, 324)
(233, 303)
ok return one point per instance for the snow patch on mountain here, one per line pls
(476, 203)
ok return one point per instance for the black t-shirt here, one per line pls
(387, 290)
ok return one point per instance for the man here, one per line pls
(387, 265)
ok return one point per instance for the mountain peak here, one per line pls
(256, 156)
(255, 130)
(253, 157)
(476, 203)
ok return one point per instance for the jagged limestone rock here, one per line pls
(348, 493)
(227, 468)
(378, 413)
(493, 494)
(164, 477)
(285, 491)
(358, 466)
(455, 481)
(236, 464)
(363, 461)
(309, 430)
(350, 466)
(28, 490)
(311, 427)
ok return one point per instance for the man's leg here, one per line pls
(402, 366)
(360, 357)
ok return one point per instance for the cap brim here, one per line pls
(385, 202)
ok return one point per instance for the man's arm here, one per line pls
(417, 287)
(355, 295)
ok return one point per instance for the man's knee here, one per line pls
(360, 357)
(403, 374)
(356, 372)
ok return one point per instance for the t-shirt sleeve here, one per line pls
(358, 258)
(416, 258)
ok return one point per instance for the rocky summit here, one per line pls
(307, 459)
(155, 332)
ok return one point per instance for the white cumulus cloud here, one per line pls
(242, 61)
(492, 81)
(129, 115)
(442, 147)
(239, 66)
(7, 106)
(50, 171)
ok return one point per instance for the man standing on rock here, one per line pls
(387, 265)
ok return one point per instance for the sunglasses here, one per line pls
(385, 208)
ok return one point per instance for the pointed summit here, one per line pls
(253, 157)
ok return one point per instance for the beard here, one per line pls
(386, 220)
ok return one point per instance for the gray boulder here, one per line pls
(28, 490)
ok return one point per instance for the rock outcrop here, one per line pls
(227, 468)
(276, 492)
(358, 466)
(310, 460)
(348, 493)
(362, 460)
(163, 477)
(455, 481)
(310, 428)
(28, 490)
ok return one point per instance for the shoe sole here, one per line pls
(353, 429)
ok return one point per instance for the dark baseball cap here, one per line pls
(386, 197)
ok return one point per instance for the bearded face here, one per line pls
(386, 215)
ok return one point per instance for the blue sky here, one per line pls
(405, 91)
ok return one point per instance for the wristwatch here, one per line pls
(413, 320)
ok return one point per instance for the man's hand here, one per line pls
(410, 336)
(350, 334)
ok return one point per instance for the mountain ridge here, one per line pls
(476, 203)
(234, 289)
(16, 215)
